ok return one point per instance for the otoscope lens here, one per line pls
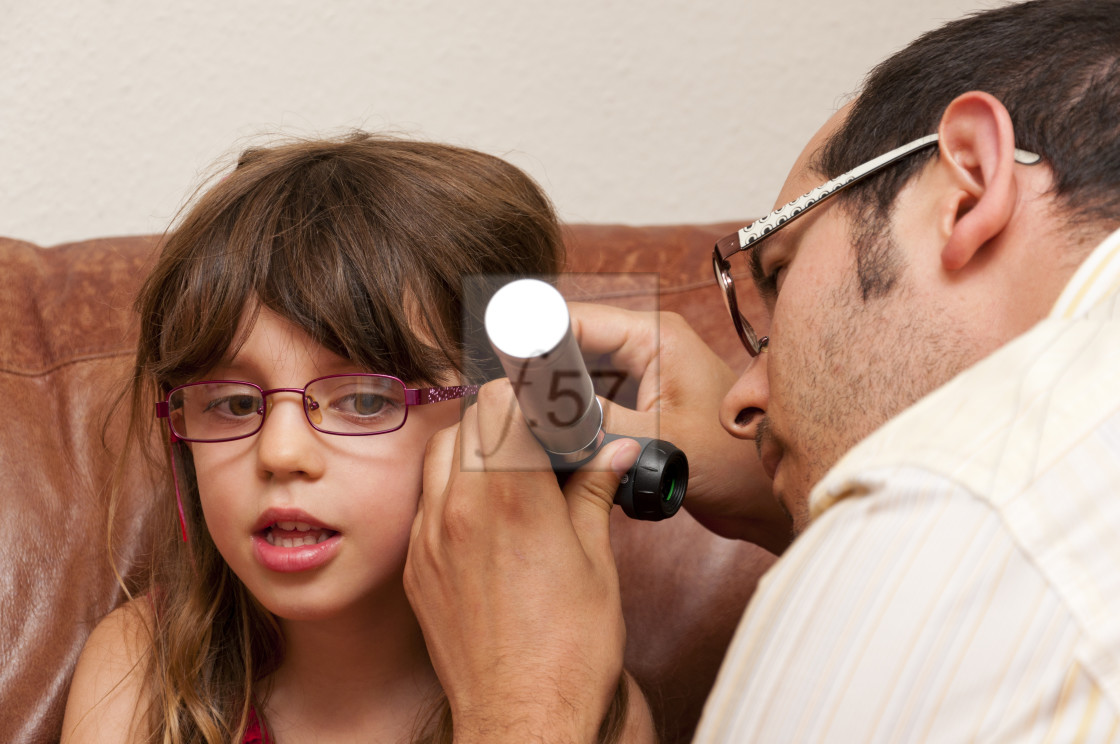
(674, 477)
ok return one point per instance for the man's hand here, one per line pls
(514, 582)
(681, 385)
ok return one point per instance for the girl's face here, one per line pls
(313, 524)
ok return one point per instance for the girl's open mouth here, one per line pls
(295, 534)
(288, 544)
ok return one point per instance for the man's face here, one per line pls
(838, 365)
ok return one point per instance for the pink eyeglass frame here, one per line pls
(412, 397)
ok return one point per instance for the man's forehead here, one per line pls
(803, 177)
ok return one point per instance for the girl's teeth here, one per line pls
(296, 542)
(293, 526)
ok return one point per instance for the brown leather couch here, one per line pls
(66, 331)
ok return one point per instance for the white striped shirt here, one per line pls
(961, 578)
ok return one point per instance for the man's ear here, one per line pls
(977, 147)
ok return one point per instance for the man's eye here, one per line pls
(771, 281)
(778, 276)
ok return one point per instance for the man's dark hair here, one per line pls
(1055, 65)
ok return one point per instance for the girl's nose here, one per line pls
(287, 444)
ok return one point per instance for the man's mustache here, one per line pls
(762, 433)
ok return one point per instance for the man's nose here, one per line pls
(745, 404)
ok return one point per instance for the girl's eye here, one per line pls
(367, 404)
(235, 405)
(362, 404)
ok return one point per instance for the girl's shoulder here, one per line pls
(107, 697)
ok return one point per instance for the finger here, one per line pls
(468, 450)
(628, 422)
(673, 364)
(441, 459)
(630, 338)
(590, 492)
(505, 443)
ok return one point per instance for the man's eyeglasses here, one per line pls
(350, 405)
(779, 218)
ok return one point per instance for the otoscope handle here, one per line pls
(530, 330)
(654, 487)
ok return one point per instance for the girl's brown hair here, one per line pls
(366, 244)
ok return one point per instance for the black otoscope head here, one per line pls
(655, 486)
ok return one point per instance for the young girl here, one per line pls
(303, 333)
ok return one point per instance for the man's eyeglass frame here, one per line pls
(764, 227)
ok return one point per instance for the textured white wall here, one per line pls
(655, 112)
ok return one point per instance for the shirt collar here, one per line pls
(1098, 277)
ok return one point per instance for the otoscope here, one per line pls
(529, 328)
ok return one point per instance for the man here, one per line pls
(937, 403)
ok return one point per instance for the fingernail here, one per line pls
(625, 457)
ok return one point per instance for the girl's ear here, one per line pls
(977, 149)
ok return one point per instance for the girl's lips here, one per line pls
(290, 555)
(290, 540)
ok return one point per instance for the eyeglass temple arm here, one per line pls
(163, 411)
(758, 229)
(423, 396)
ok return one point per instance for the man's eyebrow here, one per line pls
(755, 260)
(763, 283)
(758, 276)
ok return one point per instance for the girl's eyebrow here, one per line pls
(237, 367)
(253, 370)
